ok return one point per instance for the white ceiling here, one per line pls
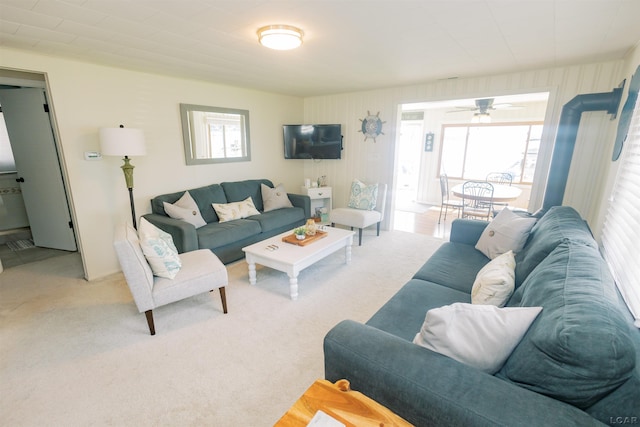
(349, 44)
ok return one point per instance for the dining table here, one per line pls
(501, 193)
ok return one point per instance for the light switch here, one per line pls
(92, 155)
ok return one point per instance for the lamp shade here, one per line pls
(122, 142)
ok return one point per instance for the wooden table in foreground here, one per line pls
(351, 408)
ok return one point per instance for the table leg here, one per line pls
(293, 285)
(347, 251)
(252, 272)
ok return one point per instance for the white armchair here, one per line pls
(201, 272)
(360, 218)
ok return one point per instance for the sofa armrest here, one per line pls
(301, 201)
(183, 234)
(467, 231)
(427, 388)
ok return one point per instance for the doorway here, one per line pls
(421, 139)
(35, 215)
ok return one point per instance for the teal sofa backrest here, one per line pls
(239, 190)
(559, 224)
(203, 196)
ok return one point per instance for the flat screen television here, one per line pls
(312, 141)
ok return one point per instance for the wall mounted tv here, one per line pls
(312, 141)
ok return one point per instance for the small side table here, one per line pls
(320, 198)
(341, 403)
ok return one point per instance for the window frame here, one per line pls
(468, 126)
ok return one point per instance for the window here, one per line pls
(472, 151)
(621, 233)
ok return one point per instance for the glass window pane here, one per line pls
(453, 146)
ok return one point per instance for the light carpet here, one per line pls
(77, 353)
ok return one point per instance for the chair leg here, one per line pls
(223, 296)
(359, 236)
(440, 216)
(152, 328)
(378, 229)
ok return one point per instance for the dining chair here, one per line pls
(477, 199)
(504, 178)
(445, 203)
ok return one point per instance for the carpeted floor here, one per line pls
(78, 353)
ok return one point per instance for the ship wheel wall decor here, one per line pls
(371, 126)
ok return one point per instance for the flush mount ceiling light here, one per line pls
(280, 37)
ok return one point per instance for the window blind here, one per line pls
(621, 233)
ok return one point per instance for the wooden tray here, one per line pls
(291, 238)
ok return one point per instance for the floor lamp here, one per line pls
(124, 142)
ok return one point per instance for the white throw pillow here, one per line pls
(363, 196)
(274, 198)
(185, 209)
(482, 336)
(159, 250)
(508, 231)
(235, 210)
(495, 282)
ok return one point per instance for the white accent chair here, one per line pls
(201, 272)
(360, 218)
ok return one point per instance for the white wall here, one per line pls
(86, 97)
(375, 161)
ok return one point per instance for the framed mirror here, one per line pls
(214, 134)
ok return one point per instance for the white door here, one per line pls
(38, 167)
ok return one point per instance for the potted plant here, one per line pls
(300, 233)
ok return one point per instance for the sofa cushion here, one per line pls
(482, 336)
(454, 265)
(507, 232)
(560, 223)
(579, 349)
(363, 196)
(186, 209)
(274, 198)
(218, 234)
(494, 283)
(278, 218)
(235, 210)
(159, 250)
(240, 190)
(404, 313)
(203, 196)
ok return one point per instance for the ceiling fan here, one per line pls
(482, 108)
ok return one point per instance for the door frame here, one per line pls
(36, 79)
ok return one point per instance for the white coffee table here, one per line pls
(292, 259)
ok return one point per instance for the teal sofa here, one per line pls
(577, 365)
(226, 239)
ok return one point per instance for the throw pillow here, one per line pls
(235, 210)
(496, 281)
(363, 196)
(185, 209)
(482, 336)
(274, 198)
(159, 250)
(508, 231)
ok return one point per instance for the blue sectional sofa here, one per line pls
(226, 239)
(577, 365)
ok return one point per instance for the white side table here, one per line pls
(320, 199)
